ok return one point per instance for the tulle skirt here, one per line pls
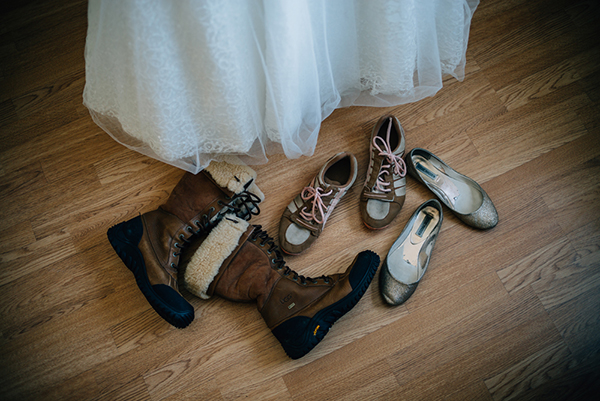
(187, 82)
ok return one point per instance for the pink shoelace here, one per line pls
(316, 195)
(393, 160)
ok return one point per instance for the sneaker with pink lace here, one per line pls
(304, 218)
(384, 191)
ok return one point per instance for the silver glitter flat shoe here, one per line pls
(408, 258)
(465, 197)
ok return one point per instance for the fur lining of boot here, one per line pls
(234, 177)
(220, 243)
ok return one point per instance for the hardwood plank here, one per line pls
(542, 367)
(591, 86)
(25, 152)
(579, 383)
(482, 361)
(134, 390)
(48, 202)
(17, 236)
(444, 346)
(43, 359)
(272, 390)
(22, 180)
(535, 42)
(208, 392)
(30, 302)
(35, 256)
(543, 262)
(138, 330)
(371, 382)
(475, 391)
(575, 278)
(123, 164)
(513, 139)
(550, 79)
(81, 387)
(578, 322)
(47, 109)
(573, 197)
(583, 12)
(7, 108)
(586, 239)
(73, 156)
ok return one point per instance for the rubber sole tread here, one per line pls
(178, 320)
(321, 323)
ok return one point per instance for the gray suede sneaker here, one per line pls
(304, 218)
(384, 191)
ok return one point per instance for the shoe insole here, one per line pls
(408, 262)
(461, 194)
(339, 172)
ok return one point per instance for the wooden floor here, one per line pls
(510, 313)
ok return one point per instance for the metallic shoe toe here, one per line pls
(393, 291)
(485, 217)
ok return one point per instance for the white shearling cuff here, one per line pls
(206, 262)
(234, 177)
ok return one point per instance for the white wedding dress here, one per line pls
(189, 81)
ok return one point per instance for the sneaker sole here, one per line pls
(124, 238)
(317, 327)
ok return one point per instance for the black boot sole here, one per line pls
(124, 238)
(299, 335)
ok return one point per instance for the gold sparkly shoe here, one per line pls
(408, 258)
(465, 197)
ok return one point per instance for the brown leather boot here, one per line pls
(150, 244)
(241, 263)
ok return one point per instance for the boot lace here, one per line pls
(395, 161)
(265, 240)
(244, 205)
(316, 194)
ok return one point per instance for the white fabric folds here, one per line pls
(189, 81)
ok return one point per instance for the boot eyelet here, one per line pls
(173, 265)
(197, 223)
(212, 209)
(176, 245)
(190, 229)
(221, 203)
(273, 261)
(181, 237)
(175, 255)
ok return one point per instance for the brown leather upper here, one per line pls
(167, 228)
(195, 195)
(249, 274)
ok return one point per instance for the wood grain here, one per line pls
(509, 313)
